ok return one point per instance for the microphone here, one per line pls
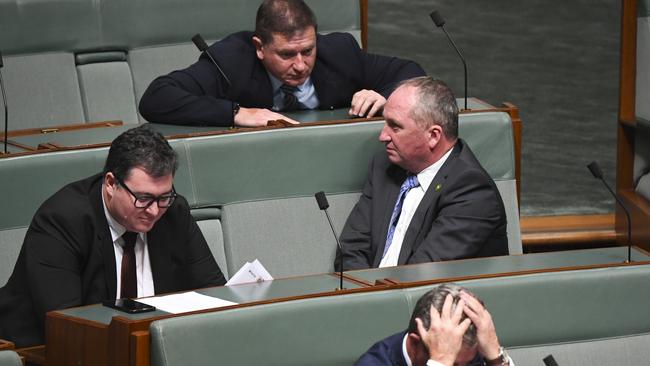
(595, 170)
(199, 42)
(321, 199)
(549, 361)
(439, 21)
(4, 101)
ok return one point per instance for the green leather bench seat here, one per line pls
(75, 61)
(594, 317)
(10, 358)
(253, 192)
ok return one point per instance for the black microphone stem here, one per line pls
(451, 40)
(4, 100)
(340, 248)
(629, 221)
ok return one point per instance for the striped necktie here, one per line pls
(290, 101)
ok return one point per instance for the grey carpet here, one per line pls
(556, 60)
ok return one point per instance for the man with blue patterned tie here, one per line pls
(426, 197)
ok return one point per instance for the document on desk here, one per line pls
(250, 272)
(185, 302)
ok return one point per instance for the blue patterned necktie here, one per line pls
(290, 100)
(410, 182)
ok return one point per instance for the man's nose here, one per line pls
(153, 209)
(383, 135)
(299, 63)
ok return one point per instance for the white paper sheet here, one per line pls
(185, 302)
(250, 272)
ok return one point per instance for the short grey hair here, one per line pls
(436, 297)
(435, 104)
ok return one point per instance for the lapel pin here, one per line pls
(438, 187)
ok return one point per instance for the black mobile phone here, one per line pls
(129, 306)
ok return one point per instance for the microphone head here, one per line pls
(437, 18)
(550, 361)
(199, 42)
(321, 199)
(595, 170)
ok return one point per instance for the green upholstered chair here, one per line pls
(10, 358)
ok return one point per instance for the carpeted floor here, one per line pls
(556, 60)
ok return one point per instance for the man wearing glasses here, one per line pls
(124, 233)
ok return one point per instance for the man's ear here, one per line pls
(110, 183)
(434, 133)
(257, 42)
(414, 337)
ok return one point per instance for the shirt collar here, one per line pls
(426, 176)
(405, 352)
(115, 227)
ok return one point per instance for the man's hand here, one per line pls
(488, 343)
(444, 338)
(253, 117)
(366, 103)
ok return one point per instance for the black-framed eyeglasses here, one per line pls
(146, 200)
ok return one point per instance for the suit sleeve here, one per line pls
(53, 257)
(383, 73)
(192, 96)
(356, 239)
(471, 213)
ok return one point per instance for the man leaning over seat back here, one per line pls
(449, 326)
(75, 252)
(426, 197)
(266, 67)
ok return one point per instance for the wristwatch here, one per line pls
(501, 360)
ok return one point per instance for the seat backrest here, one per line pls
(10, 358)
(324, 331)
(267, 192)
(564, 307)
(582, 317)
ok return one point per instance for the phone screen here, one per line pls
(129, 306)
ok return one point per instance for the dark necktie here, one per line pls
(410, 182)
(290, 101)
(129, 278)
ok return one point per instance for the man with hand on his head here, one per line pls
(449, 327)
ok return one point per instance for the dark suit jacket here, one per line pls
(199, 95)
(460, 216)
(67, 259)
(388, 352)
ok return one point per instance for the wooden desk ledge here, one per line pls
(567, 231)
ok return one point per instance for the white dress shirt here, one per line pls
(142, 264)
(410, 205)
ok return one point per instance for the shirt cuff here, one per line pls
(434, 363)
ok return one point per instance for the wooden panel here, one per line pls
(141, 345)
(363, 6)
(568, 231)
(6, 345)
(639, 209)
